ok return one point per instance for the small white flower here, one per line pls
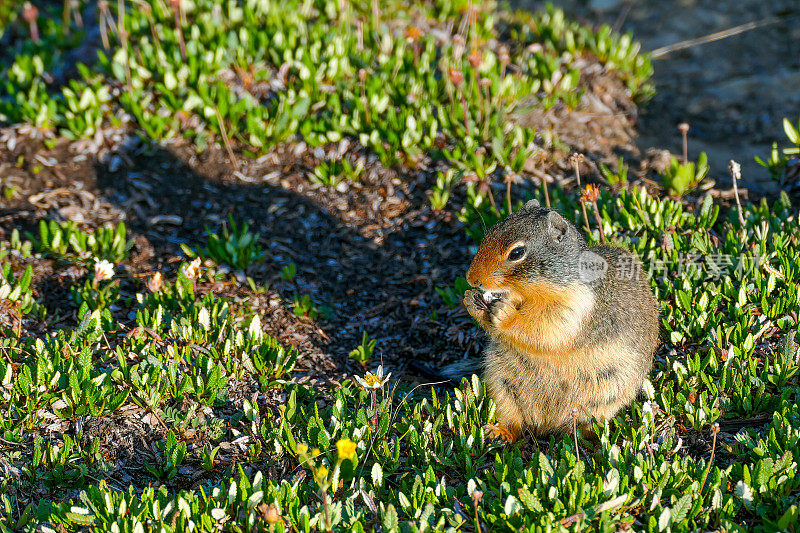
(103, 270)
(154, 283)
(373, 381)
(192, 270)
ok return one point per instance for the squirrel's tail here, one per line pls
(463, 368)
(452, 372)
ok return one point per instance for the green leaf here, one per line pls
(377, 475)
(80, 516)
(204, 319)
(680, 508)
(791, 132)
(744, 493)
(664, 519)
(390, 520)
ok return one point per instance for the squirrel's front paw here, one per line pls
(500, 311)
(476, 305)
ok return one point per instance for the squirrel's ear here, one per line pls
(557, 227)
(530, 204)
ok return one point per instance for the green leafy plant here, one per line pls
(793, 134)
(105, 243)
(363, 353)
(618, 178)
(236, 246)
(775, 163)
(452, 296)
(304, 306)
(332, 173)
(390, 455)
(174, 454)
(18, 292)
(779, 159)
(440, 192)
(100, 290)
(208, 456)
(681, 178)
(288, 272)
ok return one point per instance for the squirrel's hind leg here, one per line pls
(510, 418)
(499, 431)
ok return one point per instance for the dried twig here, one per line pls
(226, 140)
(664, 50)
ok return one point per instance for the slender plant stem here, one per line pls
(599, 223)
(476, 499)
(123, 35)
(179, 30)
(575, 160)
(575, 433)
(586, 218)
(714, 432)
(66, 16)
(327, 510)
(491, 196)
(736, 173)
(684, 129)
(464, 109)
(546, 192)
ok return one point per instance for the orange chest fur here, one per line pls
(548, 317)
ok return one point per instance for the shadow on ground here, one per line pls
(373, 253)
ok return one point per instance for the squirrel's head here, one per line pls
(534, 246)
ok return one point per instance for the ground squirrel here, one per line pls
(572, 327)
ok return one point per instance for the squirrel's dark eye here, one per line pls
(517, 253)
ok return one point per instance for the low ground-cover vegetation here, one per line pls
(161, 378)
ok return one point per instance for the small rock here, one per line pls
(115, 163)
(605, 5)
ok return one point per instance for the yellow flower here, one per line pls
(302, 449)
(321, 474)
(315, 452)
(346, 448)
